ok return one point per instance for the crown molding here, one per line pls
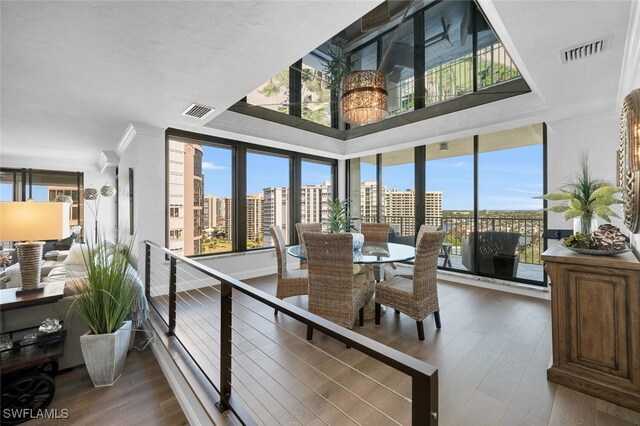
(134, 129)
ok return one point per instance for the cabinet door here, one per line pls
(601, 339)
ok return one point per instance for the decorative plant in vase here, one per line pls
(340, 221)
(586, 198)
(105, 299)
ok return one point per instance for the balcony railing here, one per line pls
(264, 370)
(531, 231)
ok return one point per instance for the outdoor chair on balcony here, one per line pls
(335, 293)
(493, 247)
(376, 233)
(406, 269)
(290, 282)
(418, 297)
(302, 228)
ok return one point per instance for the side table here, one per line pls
(29, 367)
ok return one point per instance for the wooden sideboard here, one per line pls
(595, 314)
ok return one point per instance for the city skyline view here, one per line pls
(508, 179)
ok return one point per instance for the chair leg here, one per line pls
(436, 316)
(397, 312)
(420, 330)
(275, 312)
(309, 332)
(361, 316)
(378, 312)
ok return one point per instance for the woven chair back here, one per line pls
(426, 264)
(278, 239)
(301, 228)
(330, 258)
(375, 232)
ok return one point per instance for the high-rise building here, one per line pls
(433, 205)
(369, 201)
(186, 207)
(255, 209)
(275, 212)
(399, 210)
(314, 202)
(211, 212)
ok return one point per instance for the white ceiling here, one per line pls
(74, 74)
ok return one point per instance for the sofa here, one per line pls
(493, 248)
(69, 270)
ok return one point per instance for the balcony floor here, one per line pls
(527, 271)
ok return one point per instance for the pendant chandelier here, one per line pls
(364, 97)
(364, 93)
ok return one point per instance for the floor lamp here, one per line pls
(32, 222)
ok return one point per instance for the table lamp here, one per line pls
(31, 221)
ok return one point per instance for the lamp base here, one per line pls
(29, 257)
(28, 291)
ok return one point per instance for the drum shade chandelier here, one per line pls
(364, 93)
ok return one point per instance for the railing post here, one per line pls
(424, 400)
(172, 296)
(147, 272)
(225, 346)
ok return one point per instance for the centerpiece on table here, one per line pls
(340, 221)
(586, 198)
(105, 299)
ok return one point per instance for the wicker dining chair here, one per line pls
(290, 282)
(417, 298)
(403, 269)
(302, 228)
(376, 233)
(335, 293)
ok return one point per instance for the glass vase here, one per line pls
(585, 224)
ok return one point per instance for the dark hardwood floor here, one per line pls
(141, 396)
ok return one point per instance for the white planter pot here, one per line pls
(104, 354)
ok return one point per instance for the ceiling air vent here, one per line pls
(582, 51)
(197, 111)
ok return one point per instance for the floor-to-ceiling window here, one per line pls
(316, 192)
(449, 198)
(398, 192)
(268, 198)
(479, 189)
(510, 220)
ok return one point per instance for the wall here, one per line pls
(597, 135)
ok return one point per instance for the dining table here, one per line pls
(371, 253)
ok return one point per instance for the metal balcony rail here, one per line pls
(531, 231)
(263, 368)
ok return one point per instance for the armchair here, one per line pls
(489, 244)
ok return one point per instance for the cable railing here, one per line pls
(531, 230)
(263, 368)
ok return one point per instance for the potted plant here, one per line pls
(586, 198)
(105, 298)
(340, 221)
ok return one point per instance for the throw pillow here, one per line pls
(75, 256)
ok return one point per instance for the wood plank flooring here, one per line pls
(492, 354)
(141, 396)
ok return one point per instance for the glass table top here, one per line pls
(370, 253)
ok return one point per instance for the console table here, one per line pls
(595, 313)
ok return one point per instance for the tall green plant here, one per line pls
(585, 196)
(340, 219)
(106, 294)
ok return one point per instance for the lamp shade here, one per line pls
(31, 221)
(364, 97)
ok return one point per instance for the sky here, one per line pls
(507, 179)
